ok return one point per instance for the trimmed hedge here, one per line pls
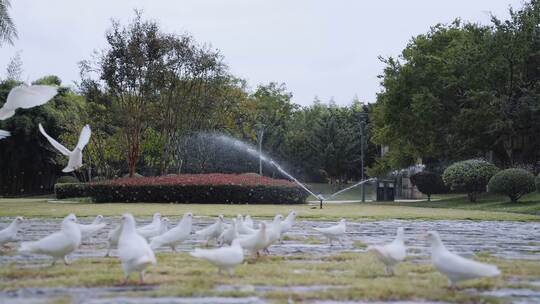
(513, 183)
(70, 190)
(470, 176)
(189, 189)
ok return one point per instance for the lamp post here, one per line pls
(363, 124)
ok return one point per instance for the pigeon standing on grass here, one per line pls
(176, 235)
(75, 157)
(212, 232)
(393, 253)
(241, 226)
(25, 97)
(225, 258)
(334, 232)
(228, 234)
(94, 227)
(256, 241)
(150, 231)
(455, 267)
(287, 224)
(59, 244)
(9, 234)
(248, 222)
(133, 250)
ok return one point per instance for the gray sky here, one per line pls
(318, 48)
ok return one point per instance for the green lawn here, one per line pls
(353, 276)
(43, 207)
(529, 204)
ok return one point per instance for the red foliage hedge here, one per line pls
(189, 188)
(249, 179)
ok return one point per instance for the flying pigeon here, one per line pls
(25, 97)
(75, 156)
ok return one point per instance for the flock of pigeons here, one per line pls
(136, 245)
(25, 97)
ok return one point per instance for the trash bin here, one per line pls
(385, 190)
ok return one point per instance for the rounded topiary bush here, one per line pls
(428, 183)
(513, 183)
(67, 179)
(470, 176)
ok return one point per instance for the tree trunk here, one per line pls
(429, 197)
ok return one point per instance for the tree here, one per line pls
(8, 32)
(14, 69)
(428, 183)
(132, 67)
(470, 176)
(513, 183)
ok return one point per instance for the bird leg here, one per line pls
(389, 271)
(66, 260)
(330, 240)
(173, 248)
(53, 263)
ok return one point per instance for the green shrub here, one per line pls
(70, 190)
(470, 176)
(67, 179)
(428, 183)
(513, 183)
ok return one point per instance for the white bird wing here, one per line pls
(54, 143)
(219, 256)
(4, 134)
(457, 266)
(55, 242)
(30, 96)
(84, 138)
(91, 228)
(6, 235)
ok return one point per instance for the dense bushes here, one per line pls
(197, 188)
(428, 183)
(513, 183)
(67, 179)
(69, 190)
(470, 176)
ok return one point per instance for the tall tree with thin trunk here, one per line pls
(8, 32)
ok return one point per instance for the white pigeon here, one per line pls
(242, 228)
(228, 235)
(156, 221)
(9, 234)
(75, 157)
(273, 231)
(25, 97)
(393, 253)
(90, 229)
(151, 231)
(334, 232)
(59, 244)
(287, 224)
(133, 250)
(248, 222)
(176, 235)
(213, 231)
(455, 267)
(112, 239)
(255, 242)
(225, 258)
